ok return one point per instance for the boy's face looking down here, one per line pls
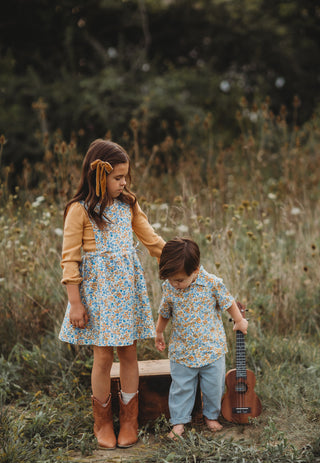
(181, 280)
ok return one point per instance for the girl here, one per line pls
(108, 303)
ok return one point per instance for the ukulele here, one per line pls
(240, 402)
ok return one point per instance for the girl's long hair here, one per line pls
(114, 154)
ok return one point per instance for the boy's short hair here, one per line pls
(179, 255)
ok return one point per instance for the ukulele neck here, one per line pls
(241, 367)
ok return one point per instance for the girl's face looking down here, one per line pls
(116, 180)
(181, 280)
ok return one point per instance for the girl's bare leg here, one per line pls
(129, 371)
(100, 375)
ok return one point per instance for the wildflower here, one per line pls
(245, 203)
(280, 81)
(3, 140)
(112, 52)
(38, 201)
(225, 86)
(177, 199)
(63, 148)
(2, 280)
(229, 233)
(305, 268)
(296, 101)
(81, 23)
(313, 246)
(182, 228)
(243, 102)
(209, 238)
(156, 225)
(290, 232)
(250, 234)
(217, 264)
(295, 211)
(253, 117)
(134, 124)
(58, 231)
(272, 196)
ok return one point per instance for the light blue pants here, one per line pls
(183, 390)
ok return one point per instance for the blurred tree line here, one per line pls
(82, 68)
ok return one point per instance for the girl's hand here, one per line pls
(241, 325)
(159, 342)
(78, 316)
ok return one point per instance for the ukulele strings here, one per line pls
(240, 372)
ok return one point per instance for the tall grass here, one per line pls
(252, 206)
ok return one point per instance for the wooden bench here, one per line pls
(154, 384)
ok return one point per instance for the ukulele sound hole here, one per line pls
(241, 388)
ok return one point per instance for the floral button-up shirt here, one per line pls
(197, 333)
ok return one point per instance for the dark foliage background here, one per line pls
(95, 65)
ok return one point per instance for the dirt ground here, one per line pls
(145, 445)
(253, 433)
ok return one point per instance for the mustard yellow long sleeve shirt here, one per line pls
(78, 236)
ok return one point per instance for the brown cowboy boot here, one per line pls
(128, 417)
(103, 424)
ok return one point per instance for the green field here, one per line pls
(253, 207)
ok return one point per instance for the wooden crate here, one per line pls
(154, 384)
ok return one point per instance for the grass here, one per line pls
(253, 207)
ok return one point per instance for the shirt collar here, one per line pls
(200, 280)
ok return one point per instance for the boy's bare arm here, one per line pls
(240, 323)
(160, 327)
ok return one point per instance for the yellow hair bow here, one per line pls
(101, 178)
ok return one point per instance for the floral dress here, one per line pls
(113, 289)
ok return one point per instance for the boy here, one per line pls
(195, 300)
